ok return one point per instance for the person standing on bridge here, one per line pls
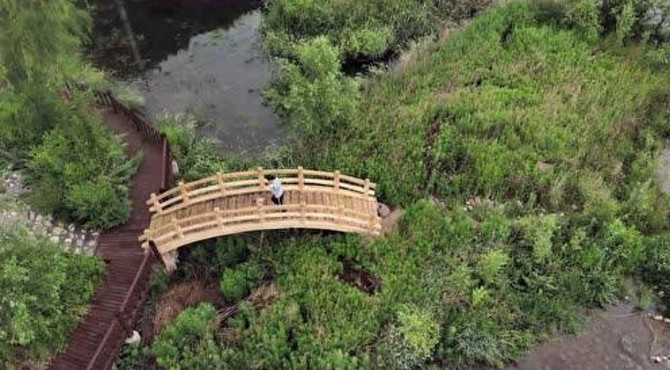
(277, 191)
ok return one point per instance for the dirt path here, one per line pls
(620, 338)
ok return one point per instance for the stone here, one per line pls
(91, 244)
(71, 227)
(175, 168)
(658, 318)
(54, 239)
(80, 243)
(134, 338)
(68, 241)
(383, 210)
(666, 320)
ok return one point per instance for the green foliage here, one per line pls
(80, 172)
(409, 342)
(656, 267)
(547, 136)
(491, 265)
(361, 29)
(189, 342)
(313, 93)
(45, 294)
(625, 19)
(197, 158)
(538, 232)
(237, 282)
(40, 41)
(130, 97)
(132, 356)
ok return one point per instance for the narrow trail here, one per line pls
(122, 253)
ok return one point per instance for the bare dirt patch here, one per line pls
(181, 296)
(361, 279)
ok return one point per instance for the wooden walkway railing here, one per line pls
(226, 204)
(128, 270)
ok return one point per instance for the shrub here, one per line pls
(491, 265)
(80, 172)
(656, 267)
(45, 294)
(538, 232)
(363, 30)
(312, 94)
(237, 283)
(189, 342)
(626, 19)
(409, 342)
(197, 158)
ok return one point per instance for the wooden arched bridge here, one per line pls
(223, 204)
(234, 203)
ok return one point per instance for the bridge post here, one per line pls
(301, 177)
(302, 211)
(157, 205)
(367, 187)
(184, 192)
(259, 209)
(219, 217)
(222, 185)
(337, 182)
(261, 178)
(177, 228)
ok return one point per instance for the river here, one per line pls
(198, 56)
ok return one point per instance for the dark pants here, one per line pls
(278, 201)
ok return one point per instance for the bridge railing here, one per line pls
(180, 232)
(171, 232)
(240, 183)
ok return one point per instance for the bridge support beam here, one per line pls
(170, 260)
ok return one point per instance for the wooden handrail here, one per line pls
(179, 232)
(233, 184)
(116, 332)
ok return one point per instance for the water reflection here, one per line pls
(199, 56)
(161, 28)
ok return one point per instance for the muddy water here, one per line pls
(197, 56)
(620, 338)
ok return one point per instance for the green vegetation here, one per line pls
(539, 139)
(45, 294)
(361, 29)
(238, 282)
(188, 342)
(77, 168)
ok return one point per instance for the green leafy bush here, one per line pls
(80, 172)
(196, 157)
(312, 93)
(45, 294)
(409, 342)
(361, 29)
(656, 267)
(189, 342)
(237, 282)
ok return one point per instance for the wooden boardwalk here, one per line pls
(95, 342)
(223, 204)
(234, 203)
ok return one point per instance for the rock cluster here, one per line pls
(665, 359)
(72, 238)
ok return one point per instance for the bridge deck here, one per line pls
(241, 202)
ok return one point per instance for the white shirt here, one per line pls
(276, 188)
